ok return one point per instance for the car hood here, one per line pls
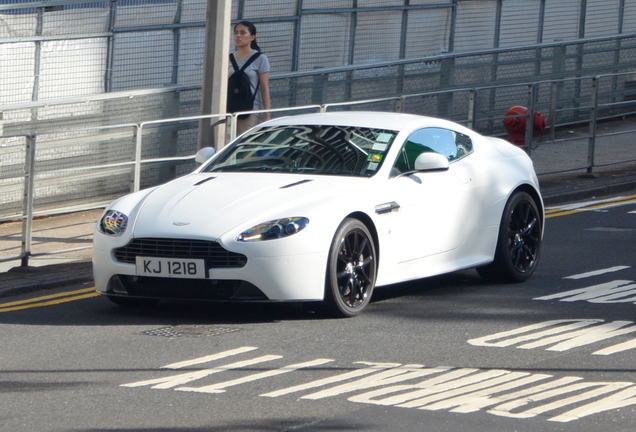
(208, 205)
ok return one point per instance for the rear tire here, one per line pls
(351, 270)
(519, 242)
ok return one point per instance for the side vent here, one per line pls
(200, 182)
(295, 184)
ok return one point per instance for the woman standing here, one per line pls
(257, 72)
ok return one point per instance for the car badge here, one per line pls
(180, 223)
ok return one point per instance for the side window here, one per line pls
(464, 144)
(406, 160)
(453, 145)
(440, 140)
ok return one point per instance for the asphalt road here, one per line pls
(450, 353)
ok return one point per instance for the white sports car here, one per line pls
(326, 207)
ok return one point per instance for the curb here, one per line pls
(21, 280)
(601, 187)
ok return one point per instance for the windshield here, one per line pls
(332, 150)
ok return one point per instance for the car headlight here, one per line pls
(113, 223)
(274, 229)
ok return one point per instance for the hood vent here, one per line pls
(295, 184)
(200, 182)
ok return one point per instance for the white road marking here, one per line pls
(452, 374)
(464, 403)
(220, 387)
(625, 346)
(604, 388)
(597, 272)
(583, 337)
(617, 400)
(375, 367)
(562, 335)
(209, 358)
(465, 390)
(478, 381)
(396, 374)
(592, 206)
(475, 401)
(176, 380)
(618, 291)
(585, 204)
(557, 326)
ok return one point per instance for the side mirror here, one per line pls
(204, 154)
(431, 161)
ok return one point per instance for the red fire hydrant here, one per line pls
(515, 124)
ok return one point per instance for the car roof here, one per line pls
(370, 119)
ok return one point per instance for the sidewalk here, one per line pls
(74, 231)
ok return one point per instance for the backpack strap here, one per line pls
(234, 64)
(247, 63)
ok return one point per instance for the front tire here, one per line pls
(519, 242)
(351, 270)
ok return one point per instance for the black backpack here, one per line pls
(239, 90)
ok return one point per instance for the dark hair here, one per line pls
(252, 29)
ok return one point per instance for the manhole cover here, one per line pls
(190, 331)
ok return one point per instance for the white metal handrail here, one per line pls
(231, 119)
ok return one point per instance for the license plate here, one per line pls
(171, 267)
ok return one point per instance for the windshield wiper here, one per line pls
(356, 146)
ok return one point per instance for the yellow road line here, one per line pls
(49, 300)
(564, 212)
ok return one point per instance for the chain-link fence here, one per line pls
(39, 188)
(64, 48)
(78, 77)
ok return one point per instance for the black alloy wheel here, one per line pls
(351, 269)
(519, 242)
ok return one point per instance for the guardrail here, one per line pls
(592, 106)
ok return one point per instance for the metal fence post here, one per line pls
(530, 119)
(319, 88)
(233, 124)
(37, 60)
(553, 107)
(168, 137)
(29, 187)
(447, 80)
(470, 120)
(110, 46)
(137, 176)
(593, 118)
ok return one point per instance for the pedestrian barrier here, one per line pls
(41, 170)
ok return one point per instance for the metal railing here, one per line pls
(593, 106)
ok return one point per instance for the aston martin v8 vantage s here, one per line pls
(325, 208)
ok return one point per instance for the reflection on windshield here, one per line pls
(334, 150)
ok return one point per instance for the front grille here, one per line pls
(184, 289)
(213, 253)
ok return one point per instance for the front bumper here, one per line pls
(297, 277)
